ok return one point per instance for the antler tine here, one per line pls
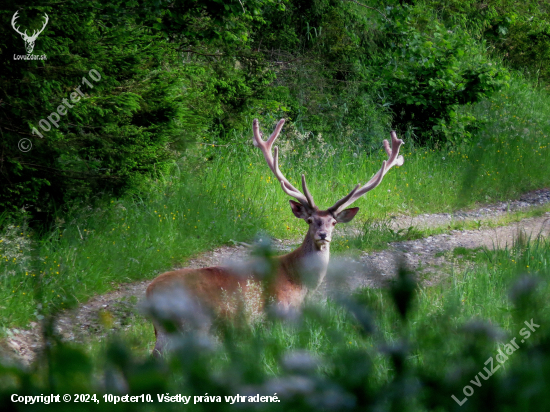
(342, 201)
(265, 146)
(35, 34)
(394, 159)
(15, 17)
(287, 187)
(306, 192)
(273, 164)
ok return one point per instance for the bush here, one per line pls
(524, 43)
(428, 72)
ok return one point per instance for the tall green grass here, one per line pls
(438, 327)
(330, 357)
(220, 194)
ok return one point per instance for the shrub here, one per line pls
(428, 72)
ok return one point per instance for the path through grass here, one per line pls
(221, 194)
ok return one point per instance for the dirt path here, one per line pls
(486, 214)
(430, 258)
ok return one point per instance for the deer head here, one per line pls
(29, 40)
(322, 222)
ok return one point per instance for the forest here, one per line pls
(127, 150)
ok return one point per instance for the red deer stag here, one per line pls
(207, 288)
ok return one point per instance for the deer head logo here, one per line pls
(29, 40)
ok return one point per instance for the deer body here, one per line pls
(211, 285)
(295, 274)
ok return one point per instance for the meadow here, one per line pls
(223, 194)
(156, 166)
(406, 347)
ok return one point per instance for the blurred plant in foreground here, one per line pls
(231, 363)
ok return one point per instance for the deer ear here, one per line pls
(347, 215)
(299, 210)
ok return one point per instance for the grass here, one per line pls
(217, 195)
(476, 224)
(437, 337)
(437, 314)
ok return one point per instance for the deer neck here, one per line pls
(307, 265)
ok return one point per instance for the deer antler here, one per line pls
(34, 33)
(15, 17)
(357, 192)
(273, 162)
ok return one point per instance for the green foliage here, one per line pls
(193, 22)
(516, 31)
(524, 43)
(317, 50)
(132, 116)
(429, 72)
(175, 71)
(406, 348)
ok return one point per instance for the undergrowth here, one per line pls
(444, 334)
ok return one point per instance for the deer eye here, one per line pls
(310, 220)
(334, 223)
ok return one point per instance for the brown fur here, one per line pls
(208, 284)
(211, 285)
